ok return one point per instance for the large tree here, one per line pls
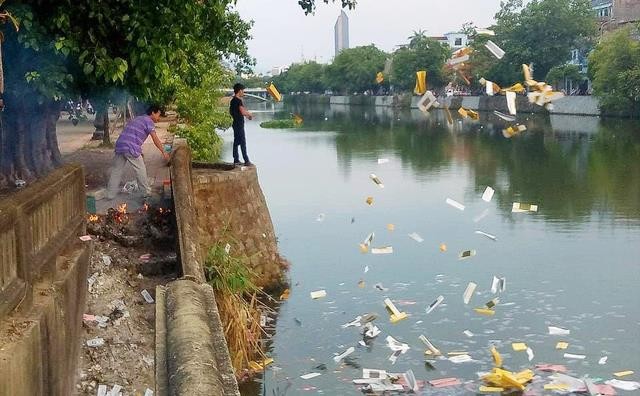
(95, 48)
(354, 69)
(302, 77)
(543, 33)
(422, 53)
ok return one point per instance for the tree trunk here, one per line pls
(29, 146)
(106, 137)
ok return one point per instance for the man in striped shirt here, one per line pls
(129, 150)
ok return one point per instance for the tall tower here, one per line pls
(341, 32)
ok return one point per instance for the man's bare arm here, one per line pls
(245, 113)
(158, 143)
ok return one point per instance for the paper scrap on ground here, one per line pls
(310, 375)
(416, 237)
(376, 180)
(494, 49)
(468, 292)
(505, 117)
(488, 194)
(435, 304)
(455, 204)
(147, 297)
(558, 331)
(318, 294)
(466, 254)
(382, 250)
(344, 354)
(523, 208)
(429, 345)
(490, 236)
(85, 238)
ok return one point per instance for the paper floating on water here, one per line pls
(562, 345)
(513, 130)
(485, 311)
(530, 355)
(490, 236)
(380, 287)
(488, 194)
(467, 333)
(468, 113)
(435, 304)
(603, 360)
(558, 331)
(623, 373)
(455, 204)
(310, 375)
(391, 227)
(491, 88)
(320, 217)
(383, 161)
(507, 379)
(376, 180)
(523, 208)
(443, 247)
(370, 331)
(382, 250)
(492, 303)
(343, 355)
(494, 49)
(466, 254)
(554, 368)
(444, 382)
(468, 292)
(624, 385)
(416, 237)
(429, 345)
(460, 359)
(369, 201)
(511, 102)
(318, 294)
(427, 101)
(498, 285)
(396, 315)
(519, 346)
(573, 356)
(505, 117)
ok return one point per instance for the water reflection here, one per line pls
(572, 166)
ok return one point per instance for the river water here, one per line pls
(574, 264)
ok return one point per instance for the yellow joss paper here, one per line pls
(379, 78)
(364, 248)
(297, 119)
(558, 387)
(369, 201)
(562, 345)
(257, 366)
(497, 359)
(443, 247)
(361, 284)
(490, 389)
(285, 295)
(468, 113)
(519, 346)
(273, 91)
(421, 83)
(623, 373)
(391, 227)
(517, 88)
(485, 311)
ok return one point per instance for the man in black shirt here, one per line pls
(238, 112)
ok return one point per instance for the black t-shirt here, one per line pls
(234, 110)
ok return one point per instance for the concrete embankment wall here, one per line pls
(578, 105)
(43, 284)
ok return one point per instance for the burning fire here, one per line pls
(145, 207)
(93, 218)
(122, 208)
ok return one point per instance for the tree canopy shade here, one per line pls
(354, 69)
(422, 53)
(614, 67)
(95, 48)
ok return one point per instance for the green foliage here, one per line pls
(543, 33)
(614, 67)
(89, 47)
(309, 6)
(226, 273)
(354, 69)
(558, 74)
(422, 53)
(302, 77)
(279, 124)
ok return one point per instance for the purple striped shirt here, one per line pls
(134, 134)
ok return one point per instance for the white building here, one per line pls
(455, 40)
(278, 70)
(341, 32)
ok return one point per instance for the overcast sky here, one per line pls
(282, 34)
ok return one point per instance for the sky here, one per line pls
(282, 34)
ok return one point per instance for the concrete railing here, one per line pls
(43, 277)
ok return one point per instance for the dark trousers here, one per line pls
(239, 140)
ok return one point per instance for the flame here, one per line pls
(145, 207)
(160, 210)
(122, 208)
(93, 218)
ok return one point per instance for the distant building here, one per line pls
(341, 32)
(455, 40)
(278, 70)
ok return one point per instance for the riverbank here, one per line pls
(570, 105)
